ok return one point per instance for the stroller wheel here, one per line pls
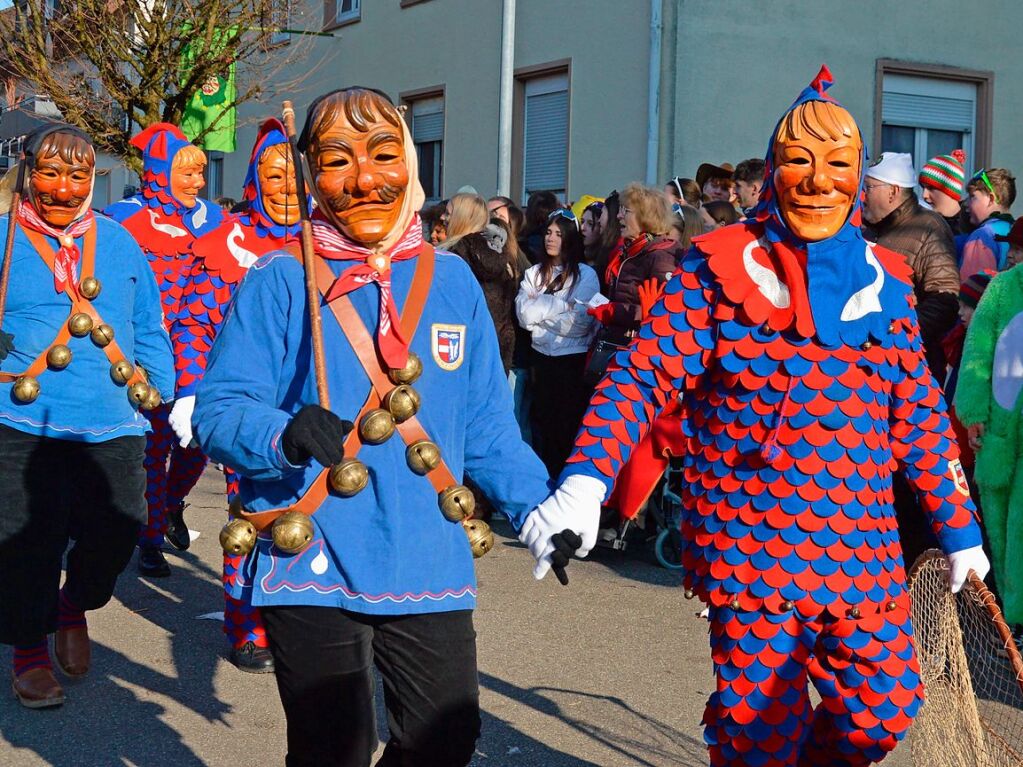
(668, 549)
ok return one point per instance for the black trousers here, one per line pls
(324, 658)
(559, 402)
(52, 490)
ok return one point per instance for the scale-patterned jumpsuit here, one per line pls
(789, 532)
(221, 259)
(165, 230)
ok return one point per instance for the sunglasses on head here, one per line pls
(563, 213)
(981, 175)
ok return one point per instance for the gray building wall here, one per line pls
(457, 44)
(728, 69)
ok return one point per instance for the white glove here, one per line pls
(573, 506)
(961, 562)
(180, 419)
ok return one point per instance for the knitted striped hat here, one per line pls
(973, 288)
(946, 173)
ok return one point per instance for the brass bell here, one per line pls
(90, 287)
(408, 374)
(138, 392)
(376, 427)
(423, 456)
(102, 335)
(457, 503)
(79, 324)
(26, 389)
(403, 402)
(152, 399)
(238, 537)
(481, 537)
(348, 477)
(58, 357)
(121, 371)
(292, 531)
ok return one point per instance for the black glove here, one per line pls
(315, 433)
(565, 545)
(6, 345)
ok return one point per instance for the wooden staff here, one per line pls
(308, 263)
(12, 216)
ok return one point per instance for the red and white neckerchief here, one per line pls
(65, 265)
(375, 268)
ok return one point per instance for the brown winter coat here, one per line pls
(924, 238)
(499, 285)
(657, 260)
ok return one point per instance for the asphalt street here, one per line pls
(613, 670)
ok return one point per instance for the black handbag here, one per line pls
(600, 357)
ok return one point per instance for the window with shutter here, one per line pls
(428, 136)
(545, 136)
(927, 116)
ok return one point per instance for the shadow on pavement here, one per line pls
(105, 722)
(636, 738)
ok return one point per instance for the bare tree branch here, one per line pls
(114, 66)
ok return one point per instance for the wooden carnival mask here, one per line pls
(357, 156)
(62, 178)
(186, 176)
(818, 157)
(277, 185)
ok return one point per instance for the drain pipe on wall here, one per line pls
(653, 117)
(504, 130)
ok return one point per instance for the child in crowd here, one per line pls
(969, 295)
(991, 195)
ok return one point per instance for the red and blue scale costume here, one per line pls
(221, 259)
(801, 385)
(165, 229)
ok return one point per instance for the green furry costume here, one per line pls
(990, 380)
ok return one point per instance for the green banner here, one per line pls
(213, 104)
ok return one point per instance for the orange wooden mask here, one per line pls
(277, 185)
(62, 178)
(186, 177)
(357, 154)
(818, 158)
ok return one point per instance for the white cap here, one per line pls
(895, 168)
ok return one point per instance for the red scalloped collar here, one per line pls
(766, 280)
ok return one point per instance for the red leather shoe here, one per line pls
(38, 688)
(73, 651)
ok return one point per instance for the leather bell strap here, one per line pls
(112, 351)
(411, 313)
(358, 336)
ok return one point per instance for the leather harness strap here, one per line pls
(358, 336)
(411, 313)
(111, 350)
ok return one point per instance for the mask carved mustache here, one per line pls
(49, 201)
(341, 201)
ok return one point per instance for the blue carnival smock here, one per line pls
(387, 550)
(82, 403)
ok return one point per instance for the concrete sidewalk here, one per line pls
(612, 671)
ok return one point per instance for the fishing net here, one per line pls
(973, 714)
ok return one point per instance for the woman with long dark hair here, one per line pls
(589, 227)
(551, 305)
(610, 235)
